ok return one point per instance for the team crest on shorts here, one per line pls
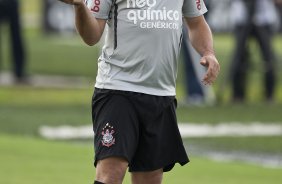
(108, 138)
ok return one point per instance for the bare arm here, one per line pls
(89, 28)
(200, 35)
(201, 39)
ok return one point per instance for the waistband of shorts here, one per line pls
(113, 91)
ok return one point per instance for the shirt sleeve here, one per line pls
(99, 8)
(193, 8)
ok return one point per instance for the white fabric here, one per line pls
(142, 43)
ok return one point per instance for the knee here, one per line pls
(111, 170)
(152, 177)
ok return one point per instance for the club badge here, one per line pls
(108, 137)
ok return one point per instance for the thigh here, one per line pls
(151, 177)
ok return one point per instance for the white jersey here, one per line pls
(142, 43)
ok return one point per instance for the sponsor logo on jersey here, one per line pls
(108, 138)
(144, 14)
(94, 5)
(198, 3)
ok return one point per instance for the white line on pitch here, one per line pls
(186, 130)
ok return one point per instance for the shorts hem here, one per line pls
(109, 156)
(166, 167)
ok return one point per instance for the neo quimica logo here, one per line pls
(145, 13)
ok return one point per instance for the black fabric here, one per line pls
(98, 182)
(9, 12)
(115, 24)
(240, 63)
(138, 127)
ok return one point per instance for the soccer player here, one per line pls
(133, 106)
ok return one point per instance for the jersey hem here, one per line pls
(148, 91)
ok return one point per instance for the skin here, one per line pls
(201, 38)
(112, 170)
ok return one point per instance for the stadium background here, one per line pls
(62, 71)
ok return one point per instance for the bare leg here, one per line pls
(111, 170)
(152, 177)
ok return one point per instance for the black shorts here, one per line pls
(138, 127)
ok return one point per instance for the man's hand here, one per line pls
(213, 68)
(73, 2)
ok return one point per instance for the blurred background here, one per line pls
(47, 74)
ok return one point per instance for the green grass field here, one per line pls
(26, 158)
